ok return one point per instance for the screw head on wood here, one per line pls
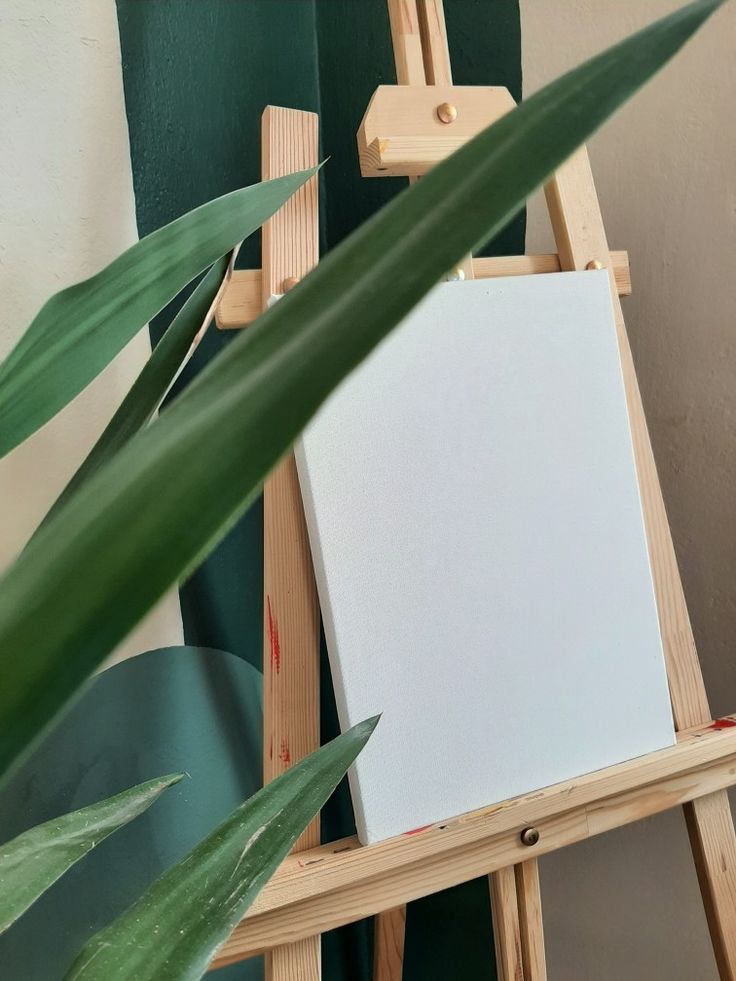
(529, 836)
(446, 112)
(289, 283)
(594, 264)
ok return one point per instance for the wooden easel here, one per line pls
(406, 130)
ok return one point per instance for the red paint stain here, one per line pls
(273, 638)
(284, 754)
(723, 724)
(416, 831)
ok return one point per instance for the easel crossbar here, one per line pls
(242, 300)
(331, 885)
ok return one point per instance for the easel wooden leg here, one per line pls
(581, 239)
(506, 929)
(518, 933)
(710, 827)
(388, 944)
(530, 920)
(291, 612)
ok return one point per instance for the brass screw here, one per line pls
(446, 112)
(594, 264)
(289, 283)
(529, 836)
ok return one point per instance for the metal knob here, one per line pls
(529, 836)
(446, 112)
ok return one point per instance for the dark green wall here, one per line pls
(197, 76)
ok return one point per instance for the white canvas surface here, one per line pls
(480, 552)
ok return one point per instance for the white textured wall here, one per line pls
(627, 905)
(66, 208)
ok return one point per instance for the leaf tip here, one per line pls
(170, 779)
(367, 727)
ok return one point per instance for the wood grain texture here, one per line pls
(402, 135)
(388, 944)
(529, 898)
(435, 51)
(580, 236)
(242, 301)
(710, 829)
(291, 612)
(407, 42)
(338, 883)
(506, 929)
(530, 265)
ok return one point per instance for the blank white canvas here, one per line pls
(480, 552)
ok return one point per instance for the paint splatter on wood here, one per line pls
(273, 638)
(723, 724)
(284, 754)
(416, 831)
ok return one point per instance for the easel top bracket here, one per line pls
(408, 129)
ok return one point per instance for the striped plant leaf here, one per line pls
(33, 861)
(148, 517)
(80, 330)
(153, 382)
(174, 929)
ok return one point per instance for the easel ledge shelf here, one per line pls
(331, 885)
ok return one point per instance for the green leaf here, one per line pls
(32, 862)
(80, 330)
(154, 380)
(150, 515)
(174, 929)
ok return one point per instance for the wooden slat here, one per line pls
(402, 135)
(388, 947)
(241, 302)
(291, 613)
(529, 265)
(710, 829)
(388, 944)
(506, 930)
(407, 42)
(581, 238)
(435, 50)
(530, 920)
(338, 883)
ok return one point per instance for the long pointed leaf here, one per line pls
(172, 932)
(33, 861)
(80, 330)
(149, 516)
(151, 385)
